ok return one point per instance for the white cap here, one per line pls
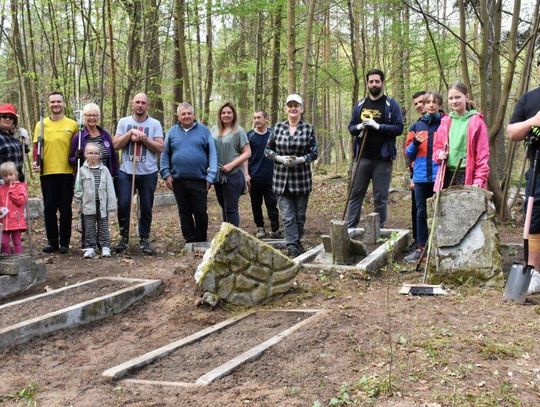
(293, 97)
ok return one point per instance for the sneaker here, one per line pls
(89, 253)
(50, 248)
(63, 250)
(105, 252)
(293, 252)
(121, 245)
(278, 234)
(413, 256)
(144, 245)
(261, 233)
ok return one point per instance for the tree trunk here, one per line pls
(276, 51)
(209, 61)
(291, 47)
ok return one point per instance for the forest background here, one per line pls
(256, 52)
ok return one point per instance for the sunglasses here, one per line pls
(7, 116)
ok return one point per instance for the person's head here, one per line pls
(418, 102)
(433, 102)
(139, 105)
(375, 83)
(260, 119)
(186, 115)
(8, 117)
(92, 153)
(9, 172)
(91, 115)
(459, 99)
(56, 103)
(294, 107)
(227, 117)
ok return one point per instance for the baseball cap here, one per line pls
(293, 97)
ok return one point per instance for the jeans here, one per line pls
(380, 173)
(192, 200)
(263, 190)
(422, 191)
(293, 209)
(413, 216)
(57, 191)
(145, 185)
(228, 195)
(15, 237)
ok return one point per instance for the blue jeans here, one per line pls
(380, 173)
(228, 195)
(145, 185)
(422, 191)
(293, 209)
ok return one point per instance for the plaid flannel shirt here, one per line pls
(11, 149)
(302, 143)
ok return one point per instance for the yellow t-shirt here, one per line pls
(57, 135)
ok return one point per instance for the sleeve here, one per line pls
(481, 167)
(440, 139)
(18, 194)
(164, 161)
(111, 195)
(519, 112)
(411, 148)
(243, 139)
(74, 144)
(355, 116)
(212, 159)
(395, 127)
(312, 152)
(270, 150)
(158, 130)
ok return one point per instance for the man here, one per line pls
(419, 105)
(140, 137)
(261, 170)
(381, 125)
(189, 168)
(56, 173)
(525, 123)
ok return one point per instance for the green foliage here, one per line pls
(27, 395)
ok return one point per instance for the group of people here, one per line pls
(273, 164)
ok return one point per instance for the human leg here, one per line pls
(90, 229)
(6, 248)
(362, 174)
(49, 211)
(199, 205)
(287, 209)
(124, 202)
(382, 175)
(146, 186)
(423, 191)
(413, 214)
(301, 210)
(64, 189)
(270, 201)
(16, 238)
(256, 196)
(183, 202)
(219, 188)
(231, 195)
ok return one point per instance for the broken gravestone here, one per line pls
(241, 269)
(18, 273)
(466, 240)
(344, 249)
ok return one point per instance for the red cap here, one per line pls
(8, 108)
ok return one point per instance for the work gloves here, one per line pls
(289, 161)
(371, 123)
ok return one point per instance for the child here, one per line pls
(465, 134)
(13, 198)
(94, 192)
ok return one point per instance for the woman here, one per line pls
(292, 146)
(11, 148)
(462, 135)
(419, 150)
(93, 133)
(233, 152)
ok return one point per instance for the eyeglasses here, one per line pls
(7, 116)
(92, 153)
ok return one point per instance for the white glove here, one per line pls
(360, 126)
(371, 123)
(282, 159)
(294, 161)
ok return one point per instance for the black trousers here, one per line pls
(263, 190)
(192, 201)
(57, 191)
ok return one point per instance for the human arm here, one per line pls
(112, 204)
(440, 139)
(75, 152)
(18, 194)
(393, 124)
(238, 161)
(355, 125)
(212, 160)
(165, 159)
(481, 154)
(520, 125)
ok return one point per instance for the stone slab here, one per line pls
(77, 314)
(21, 273)
(225, 369)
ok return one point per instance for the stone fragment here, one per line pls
(241, 269)
(372, 233)
(20, 272)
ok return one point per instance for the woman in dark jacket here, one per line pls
(11, 148)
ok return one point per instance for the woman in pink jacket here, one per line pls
(462, 137)
(13, 197)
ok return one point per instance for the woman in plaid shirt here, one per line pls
(292, 146)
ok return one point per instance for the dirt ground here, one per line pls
(371, 347)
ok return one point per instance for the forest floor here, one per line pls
(372, 346)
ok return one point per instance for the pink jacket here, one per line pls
(14, 198)
(477, 161)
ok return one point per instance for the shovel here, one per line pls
(519, 277)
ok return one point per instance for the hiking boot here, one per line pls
(89, 253)
(413, 256)
(121, 245)
(261, 233)
(50, 248)
(293, 252)
(277, 234)
(144, 246)
(63, 250)
(105, 252)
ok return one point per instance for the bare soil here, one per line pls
(372, 347)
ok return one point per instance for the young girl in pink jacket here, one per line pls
(13, 197)
(464, 134)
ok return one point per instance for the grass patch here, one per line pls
(492, 350)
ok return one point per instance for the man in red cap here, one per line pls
(11, 148)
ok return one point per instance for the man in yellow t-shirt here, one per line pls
(56, 173)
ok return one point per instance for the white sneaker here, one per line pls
(89, 253)
(106, 252)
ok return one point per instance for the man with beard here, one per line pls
(377, 117)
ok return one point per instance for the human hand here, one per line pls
(226, 168)
(248, 181)
(36, 167)
(443, 155)
(420, 137)
(371, 123)
(169, 182)
(79, 154)
(360, 126)
(282, 159)
(294, 161)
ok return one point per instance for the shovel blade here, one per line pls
(518, 283)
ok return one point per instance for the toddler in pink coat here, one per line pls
(13, 198)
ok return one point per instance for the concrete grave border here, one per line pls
(370, 264)
(78, 314)
(123, 369)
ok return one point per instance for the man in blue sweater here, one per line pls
(261, 170)
(189, 168)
